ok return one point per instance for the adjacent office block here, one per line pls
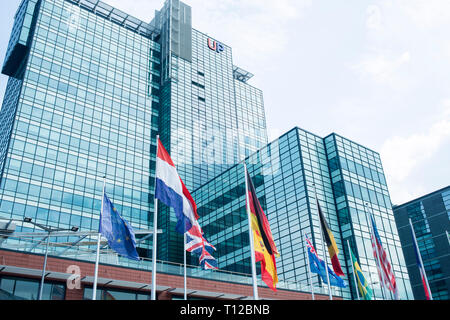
(430, 216)
(287, 174)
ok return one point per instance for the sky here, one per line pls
(376, 72)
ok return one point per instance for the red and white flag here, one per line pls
(385, 271)
(420, 265)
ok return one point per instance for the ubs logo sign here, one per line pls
(215, 46)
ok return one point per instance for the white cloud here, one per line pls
(403, 154)
(422, 14)
(404, 192)
(255, 29)
(141, 9)
(447, 49)
(384, 68)
(426, 14)
(374, 17)
(406, 42)
(274, 134)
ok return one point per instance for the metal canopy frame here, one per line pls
(77, 243)
(117, 16)
(69, 234)
(241, 74)
(35, 272)
(105, 282)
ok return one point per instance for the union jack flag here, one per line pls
(310, 246)
(197, 244)
(386, 274)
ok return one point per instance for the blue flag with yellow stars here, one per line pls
(119, 233)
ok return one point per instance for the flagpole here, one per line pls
(155, 231)
(97, 258)
(185, 280)
(420, 259)
(353, 270)
(308, 267)
(323, 245)
(377, 260)
(448, 239)
(250, 233)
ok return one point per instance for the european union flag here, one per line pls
(119, 233)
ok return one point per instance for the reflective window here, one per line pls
(114, 294)
(12, 288)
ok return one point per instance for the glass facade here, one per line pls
(90, 88)
(24, 23)
(360, 188)
(12, 288)
(84, 109)
(86, 99)
(206, 113)
(199, 133)
(430, 218)
(208, 118)
(252, 128)
(288, 174)
(115, 294)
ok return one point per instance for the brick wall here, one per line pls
(33, 261)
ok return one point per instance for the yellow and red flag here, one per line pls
(265, 249)
(331, 243)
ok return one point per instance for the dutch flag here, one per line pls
(171, 191)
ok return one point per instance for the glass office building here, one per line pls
(208, 109)
(288, 174)
(430, 216)
(209, 115)
(79, 105)
(91, 87)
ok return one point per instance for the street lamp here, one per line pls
(49, 230)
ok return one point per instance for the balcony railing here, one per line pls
(82, 247)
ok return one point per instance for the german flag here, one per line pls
(265, 249)
(331, 243)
